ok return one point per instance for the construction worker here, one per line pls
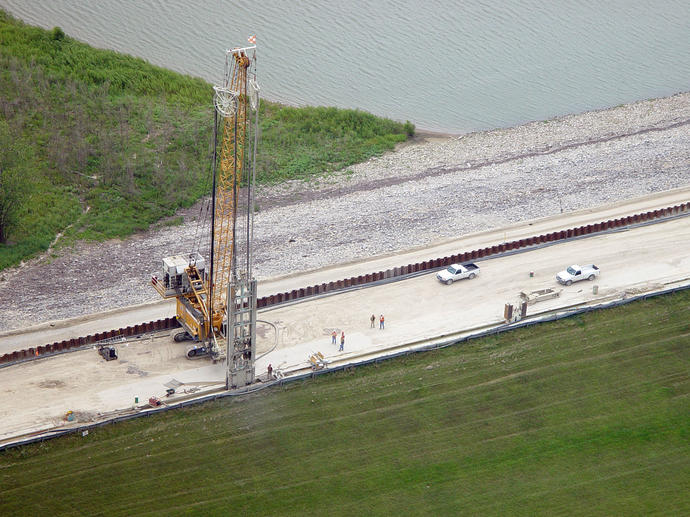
(333, 336)
(270, 372)
(373, 320)
(342, 342)
(381, 322)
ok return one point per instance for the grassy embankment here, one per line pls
(87, 128)
(589, 416)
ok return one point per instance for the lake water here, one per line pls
(446, 66)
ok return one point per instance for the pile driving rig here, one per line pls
(216, 305)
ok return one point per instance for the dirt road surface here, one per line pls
(53, 331)
(37, 395)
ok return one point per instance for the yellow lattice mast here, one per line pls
(231, 102)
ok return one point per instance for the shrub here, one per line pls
(57, 34)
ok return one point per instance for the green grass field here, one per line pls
(589, 415)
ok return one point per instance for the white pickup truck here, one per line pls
(576, 273)
(458, 272)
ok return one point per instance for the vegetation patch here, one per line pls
(119, 144)
(571, 417)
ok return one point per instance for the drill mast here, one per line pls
(217, 309)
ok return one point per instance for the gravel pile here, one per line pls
(432, 189)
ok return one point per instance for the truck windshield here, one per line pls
(571, 271)
(452, 270)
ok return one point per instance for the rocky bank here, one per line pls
(433, 188)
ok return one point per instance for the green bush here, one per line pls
(57, 34)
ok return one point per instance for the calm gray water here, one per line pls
(446, 66)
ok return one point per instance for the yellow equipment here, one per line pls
(202, 293)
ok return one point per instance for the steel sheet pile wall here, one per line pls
(91, 339)
(466, 256)
(361, 280)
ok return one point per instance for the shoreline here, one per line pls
(438, 134)
(421, 193)
(471, 151)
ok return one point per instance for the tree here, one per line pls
(12, 194)
(14, 184)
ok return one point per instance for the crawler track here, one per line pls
(361, 280)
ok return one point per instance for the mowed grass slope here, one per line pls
(588, 415)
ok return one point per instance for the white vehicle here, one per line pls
(576, 273)
(458, 272)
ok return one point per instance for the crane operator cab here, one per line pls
(173, 280)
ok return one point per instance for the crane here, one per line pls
(216, 306)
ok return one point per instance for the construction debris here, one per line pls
(318, 361)
(108, 352)
(540, 295)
